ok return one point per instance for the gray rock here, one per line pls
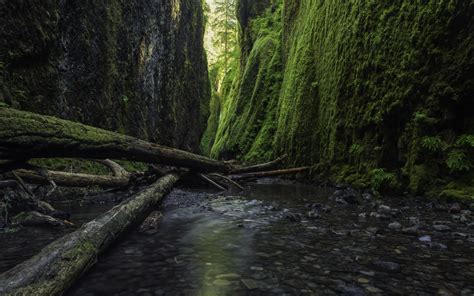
(414, 221)
(313, 214)
(387, 265)
(395, 226)
(383, 209)
(151, 224)
(293, 217)
(250, 284)
(441, 228)
(410, 230)
(425, 239)
(455, 208)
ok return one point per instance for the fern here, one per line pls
(381, 178)
(433, 144)
(466, 141)
(355, 149)
(458, 161)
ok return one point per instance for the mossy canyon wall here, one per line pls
(137, 67)
(372, 93)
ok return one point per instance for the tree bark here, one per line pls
(58, 265)
(25, 135)
(72, 179)
(259, 167)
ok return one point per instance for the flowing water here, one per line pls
(283, 239)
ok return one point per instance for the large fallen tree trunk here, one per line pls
(25, 135)
(57, 266)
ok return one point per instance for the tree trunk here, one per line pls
(72, 179)
(25, 135)
(58, 265)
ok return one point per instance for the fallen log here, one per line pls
(116, 169)
(72, 179)
(259, 167)
(270, 173)
(58, 265)
(25, 135)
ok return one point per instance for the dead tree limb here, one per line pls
(116, 169)
(210, 181)
(270, 173)
(259, 167)
(25, 135)
(61, 263)
(227, 179)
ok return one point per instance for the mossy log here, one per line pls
(72, 179)
(25, 135)
(57, 266)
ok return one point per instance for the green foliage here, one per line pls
(458, 161)
(356, 149)
(383, 180)
(433, 144)
(390, 77)
(466, 141)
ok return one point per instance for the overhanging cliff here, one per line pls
(137, 67)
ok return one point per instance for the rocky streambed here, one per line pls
(287, 239)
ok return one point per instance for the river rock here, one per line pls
(411, 230)
(395, 226)
(414, 221)
(367, 196)
(313, 214)
(221, 283)
(384, 209)
(387, 265)
(441, 227)
(455, 208)
(293, 217)
(250, 284)
(152, 223)
(425, 239)
(228, 276)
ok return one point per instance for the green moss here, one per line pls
(360, 85)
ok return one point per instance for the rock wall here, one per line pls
(373, 93)
(137, 67)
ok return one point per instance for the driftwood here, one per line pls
(25, 135)
(58, 265)
(270, 173)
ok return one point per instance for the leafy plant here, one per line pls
(433, 144)
(381, 179)
(458, 161)
(465, 140)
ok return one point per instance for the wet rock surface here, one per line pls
(266, 242)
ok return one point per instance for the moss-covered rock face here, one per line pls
(137, 67)
(369, 92)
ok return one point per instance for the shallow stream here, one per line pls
(279, 239)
